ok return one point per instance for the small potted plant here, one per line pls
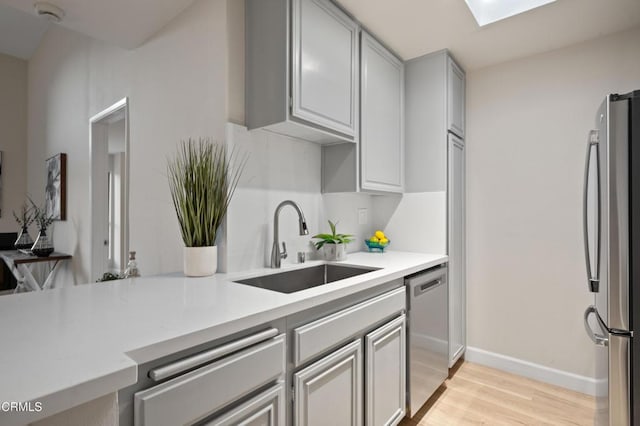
(24, 219)
(335, 245)
(43, 245)
(202, 180)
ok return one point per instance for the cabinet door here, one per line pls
(330, 390)
(455, 98)
(456, 251)
(324, 66)
(266, 409)
(385, 374)
(382, 118)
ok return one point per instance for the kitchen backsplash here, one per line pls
(283, 168)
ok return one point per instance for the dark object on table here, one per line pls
(43, 246)
(45, 252)
(24, 240)
(108, 276)
(7, 280)
(7, 239)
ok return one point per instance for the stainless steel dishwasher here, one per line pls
(428, 334)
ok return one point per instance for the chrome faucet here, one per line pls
(276, 255)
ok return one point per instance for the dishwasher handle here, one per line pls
(422, 289)
(421, 284)
(427, 286)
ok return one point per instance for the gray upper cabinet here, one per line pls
(455, 98)
(302, 69)
(377, 163)
(382, 118)
(434, 106)
(325, 66)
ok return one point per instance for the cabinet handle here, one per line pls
(210, 355)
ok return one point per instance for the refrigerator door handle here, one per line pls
(592, 275)
(597, 338)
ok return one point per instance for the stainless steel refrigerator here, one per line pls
(612, 252)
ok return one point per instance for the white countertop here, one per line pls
(68, 346)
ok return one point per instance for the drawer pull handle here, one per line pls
(210, 355)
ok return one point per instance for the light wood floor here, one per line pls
(478, 395)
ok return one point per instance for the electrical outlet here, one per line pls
(363, 216)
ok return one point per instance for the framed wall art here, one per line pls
(56, 190)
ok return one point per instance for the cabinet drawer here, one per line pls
(318, 336)
(266, 409)
(199, 393)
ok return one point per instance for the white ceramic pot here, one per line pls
(335, 251)
(200, 261)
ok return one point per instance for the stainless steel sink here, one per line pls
(302, 279)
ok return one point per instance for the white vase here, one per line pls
(200, 261)
(335, 251)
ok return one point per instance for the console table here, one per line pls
(20, 265)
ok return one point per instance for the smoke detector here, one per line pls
(49, 11)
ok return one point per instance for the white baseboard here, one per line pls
(532, 371)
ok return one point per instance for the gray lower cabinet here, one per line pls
(316, 337)
(329, 391)
(266, 409)
(358, 364)
(197, 394)
(385, 377)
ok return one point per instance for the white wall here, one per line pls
(343, 208)
(282, 168)
(177, 87)
(188, 80)
(415, 222)
(13, 138)
(278, 168)
(527, 124)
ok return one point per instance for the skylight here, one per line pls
(489, 11)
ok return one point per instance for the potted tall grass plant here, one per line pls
(202, 181)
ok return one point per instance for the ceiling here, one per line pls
(125, 23)
(20, 32)
(410, 27)
(415, 27)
